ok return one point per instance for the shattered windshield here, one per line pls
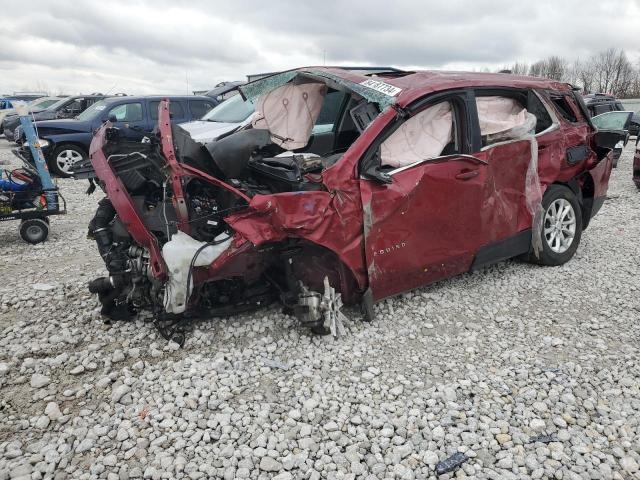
(234, 110)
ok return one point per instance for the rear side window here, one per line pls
(503, 119)
(199, 108)
(564, 108)
(536, 107)
(175, 109)
(128, 112)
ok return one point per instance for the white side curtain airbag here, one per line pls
(421, 137)
(498, 114)
(289, 113)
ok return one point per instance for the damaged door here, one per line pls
(426, 223)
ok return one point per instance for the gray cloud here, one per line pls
(157, 46)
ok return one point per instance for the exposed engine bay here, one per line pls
(175, 254)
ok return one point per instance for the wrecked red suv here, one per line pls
(345, 188)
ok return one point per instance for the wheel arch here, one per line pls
(317, 261)
(73, 143)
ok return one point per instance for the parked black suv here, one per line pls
(68, 107)
(67, 141)
(599, 103)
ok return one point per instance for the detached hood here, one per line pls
(56, 127)
(202, 131)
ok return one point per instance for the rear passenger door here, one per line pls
(505, 130)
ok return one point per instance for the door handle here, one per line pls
(467, 174)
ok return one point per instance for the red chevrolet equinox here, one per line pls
(347, 186)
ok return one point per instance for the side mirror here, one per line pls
(112, 118)
(371, 169)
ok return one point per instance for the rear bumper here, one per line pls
(600, 174)
(597, 205)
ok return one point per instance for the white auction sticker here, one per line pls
(381, 87)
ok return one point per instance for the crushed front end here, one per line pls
(177, 238)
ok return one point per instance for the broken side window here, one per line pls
(428, 134)
(329, 112)
(537, 108)
(564, 108)
(502, 119)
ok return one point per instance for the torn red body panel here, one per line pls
(331, 218)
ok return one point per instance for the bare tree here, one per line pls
(608, 71)
(518, 68)
(553, 67)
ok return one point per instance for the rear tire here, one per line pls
(561, 226)
(34, 230)
(63, 158)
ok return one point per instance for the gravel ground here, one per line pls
(530, 372)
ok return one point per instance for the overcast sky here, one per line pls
(169, 46)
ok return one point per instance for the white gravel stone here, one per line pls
(629, 464)
(537, 424)
(481, 364)
(118, 392)
(269, 464)
(52, 411)
(39, 381)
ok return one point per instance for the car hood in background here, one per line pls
(202, 131)
(63, 126)
(36, 114)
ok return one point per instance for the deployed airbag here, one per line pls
(421, 137)
(289, 113)
(500, 114)
(178, 255)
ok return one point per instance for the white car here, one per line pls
(223, 118)
(34, 106)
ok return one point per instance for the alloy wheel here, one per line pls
(560, 225)
(66, 159)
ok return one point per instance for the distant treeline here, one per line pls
(609, 71)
